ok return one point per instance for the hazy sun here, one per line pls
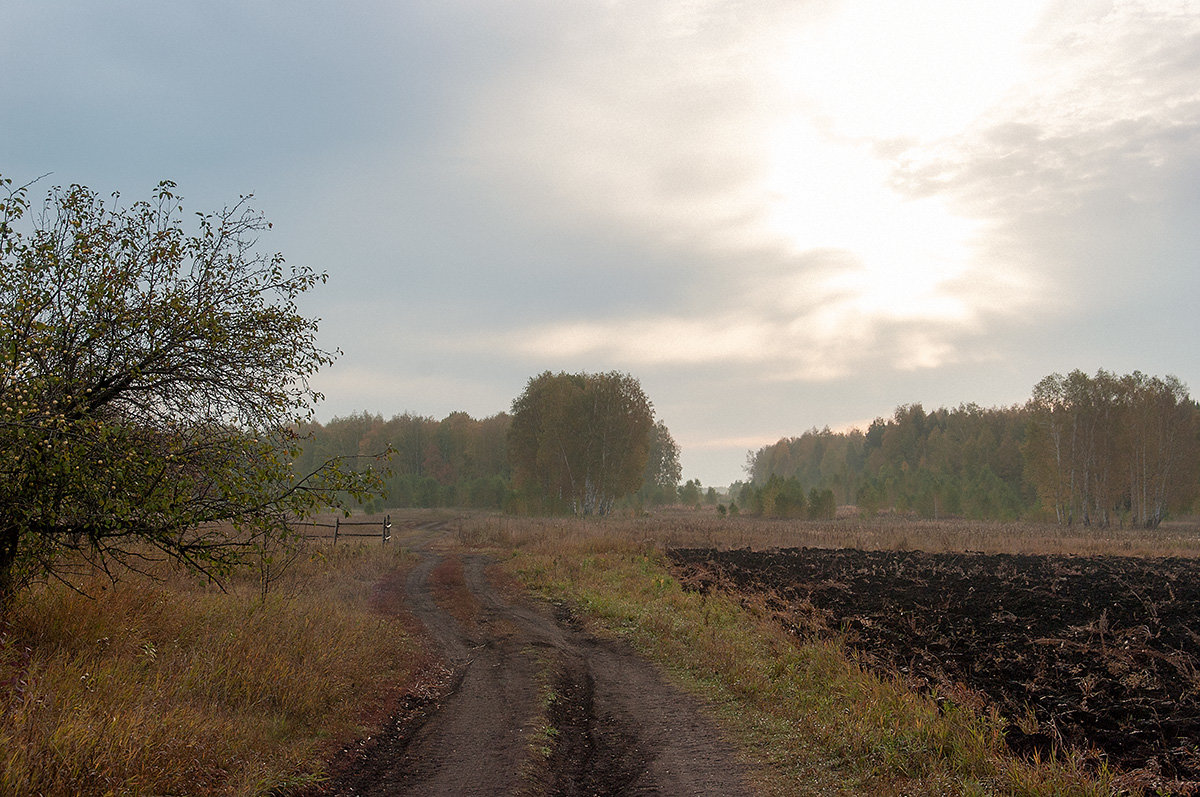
(871, 82)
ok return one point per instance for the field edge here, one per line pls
(806, 715)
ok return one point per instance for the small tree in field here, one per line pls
(150, 380)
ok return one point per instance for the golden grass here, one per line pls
(686, 528)
(807, 714)
(172, 687)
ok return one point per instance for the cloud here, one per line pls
(903, 73)
(828, 344)
(644, 115)
(1111, 109)
(689, 133)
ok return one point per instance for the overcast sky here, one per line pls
(777, 215)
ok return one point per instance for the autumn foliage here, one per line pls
(580, 441)
(1093, 450)
(151, 373)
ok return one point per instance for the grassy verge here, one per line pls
(172, 687)
(817, 721)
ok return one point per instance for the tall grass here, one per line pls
(815, 720)
(173, 687)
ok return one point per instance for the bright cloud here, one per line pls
(907, 71)
(766, 143)
(644, 114)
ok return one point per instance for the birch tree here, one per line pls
(1108, 447)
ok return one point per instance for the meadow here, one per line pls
(172, 685)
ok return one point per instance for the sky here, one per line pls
(776, 215)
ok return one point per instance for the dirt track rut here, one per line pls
(531, 704)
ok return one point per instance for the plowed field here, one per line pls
(1103, 650)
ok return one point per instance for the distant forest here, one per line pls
(1096, 450)
(460, 461)
(457, 461)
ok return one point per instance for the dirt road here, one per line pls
(531, 704)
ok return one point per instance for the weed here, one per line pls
(167, 686)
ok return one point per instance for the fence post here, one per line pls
(337, 522)
(387, 526)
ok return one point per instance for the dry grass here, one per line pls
(172, 687)
(683, 528)
(813, 720)
(449, 588)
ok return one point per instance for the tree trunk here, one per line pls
(9, 538)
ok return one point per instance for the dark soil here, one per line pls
(1104, 650)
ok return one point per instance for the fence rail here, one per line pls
(384, 529)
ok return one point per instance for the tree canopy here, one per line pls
(462, 461)
(582, 441)
(152, 375)
(660, 481)
(455, 461)
(1084, 449)
(1113, 446)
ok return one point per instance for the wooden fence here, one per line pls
(384, 529)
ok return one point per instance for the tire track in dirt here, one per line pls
(534, 705)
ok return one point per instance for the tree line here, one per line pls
(1096, 450)
(782, 498)
(574, 443)
(455, 461)
(1113, 446)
